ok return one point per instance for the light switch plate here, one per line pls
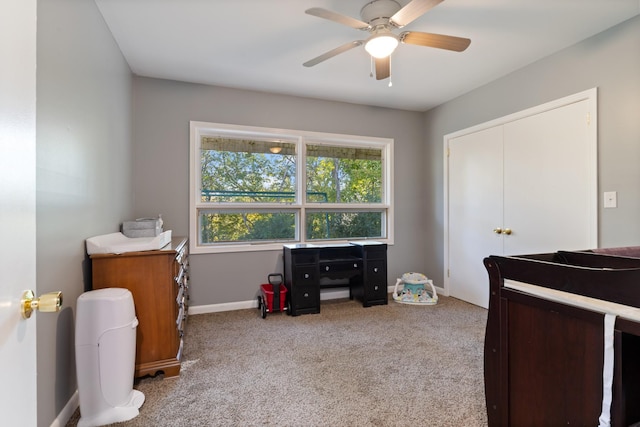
(610, 199)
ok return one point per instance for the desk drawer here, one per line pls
(340, 269)
(305, 276)
(376, 280)
(305, 258)
(376, 291)
(305, 297)
(377, 270)
(376, 252)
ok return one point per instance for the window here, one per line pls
(257, 188)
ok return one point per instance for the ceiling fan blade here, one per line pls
(440, 41)
(383, 68)
(336, 17)
(340, 49)
(413, 10)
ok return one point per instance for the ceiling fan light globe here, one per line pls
(382, 45)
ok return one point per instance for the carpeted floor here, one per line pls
(393, 365)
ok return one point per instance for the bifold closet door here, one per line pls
(547, 188)
(475, 211)
(518, 188)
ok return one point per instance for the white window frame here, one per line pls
(300, 205)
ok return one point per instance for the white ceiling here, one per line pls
(261, 44)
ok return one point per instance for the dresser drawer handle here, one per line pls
(355, 265)
(306, 295)
(376, 287)
(326, 268)
(306, 275)
(375, 269)
(181, 316)
(178, 279)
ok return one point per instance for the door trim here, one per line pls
(590, 95)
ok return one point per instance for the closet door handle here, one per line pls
(497, 230)
(506, 231)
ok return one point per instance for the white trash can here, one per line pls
(105, 357)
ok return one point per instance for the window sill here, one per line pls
(266, 247)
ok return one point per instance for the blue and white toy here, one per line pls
(413, 288)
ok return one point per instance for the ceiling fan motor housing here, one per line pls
(379, 12)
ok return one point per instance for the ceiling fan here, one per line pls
(378, 18)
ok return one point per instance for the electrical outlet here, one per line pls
(610, 199)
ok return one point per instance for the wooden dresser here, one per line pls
(159, 282)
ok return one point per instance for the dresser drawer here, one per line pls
(181, 260)
(180, 348)
(180, 323)
(180, 296)
(180, 277)
(181, 315)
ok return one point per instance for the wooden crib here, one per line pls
(544, 344)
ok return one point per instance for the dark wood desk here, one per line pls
(361, 266)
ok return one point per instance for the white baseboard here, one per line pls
(326, 294)
(227, 306)
(67, 412)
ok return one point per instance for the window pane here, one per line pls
(344, 174)
(344, 225)
(247, 171)
(250, 226)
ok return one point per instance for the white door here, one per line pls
(475, 210)
(547, 182)
(18, 403)
(533, 176)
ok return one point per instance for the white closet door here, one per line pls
(475, 210)
(546, 181)
(533, 173)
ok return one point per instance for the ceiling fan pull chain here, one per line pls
(390, 82)
(371, 72)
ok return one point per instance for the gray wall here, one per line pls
(609, 61)
(162, 111)
(83, 172)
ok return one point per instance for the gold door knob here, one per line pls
(497, 230)
(506, 231)
(49, 303)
